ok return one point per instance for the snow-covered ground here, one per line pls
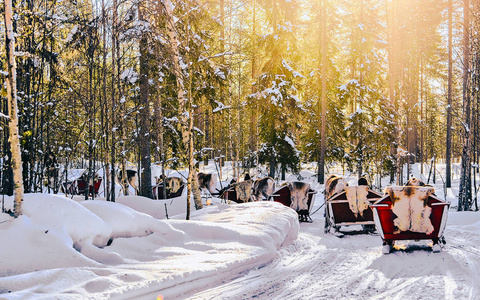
(72, 249)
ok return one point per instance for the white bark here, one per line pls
(185, 114)
(13, 110)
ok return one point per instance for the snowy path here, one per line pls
(321, 266)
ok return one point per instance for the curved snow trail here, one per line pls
(322, 266)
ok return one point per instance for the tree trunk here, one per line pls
(422, 122)
(321, 165)
(113, 116)
(16, 161)
(448, 154)
(182, 101)
(192, 172)
(161, 141)
(145, 140)
(90, 112)
(272, 167)
(391, 80)
(465, 191)
(253, 135)
(105, 107)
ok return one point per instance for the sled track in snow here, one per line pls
(322, 266)
(304, 270)
(466, 249)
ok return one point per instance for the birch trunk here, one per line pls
(13, 110)
(182, 100)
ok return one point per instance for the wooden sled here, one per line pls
(338, 213)
(79, 187)
(283, 196)
(384, 220)
(229, 194)
(157, 192)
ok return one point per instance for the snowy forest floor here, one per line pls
(323, 266)
(96, 250)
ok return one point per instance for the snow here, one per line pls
(62, 248)
(71, 249)
(72, 33)
(129, 75)
(220, 106)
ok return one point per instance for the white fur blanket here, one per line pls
(409, 204)
(357, 199)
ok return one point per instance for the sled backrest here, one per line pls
(410, 205)
(357, 199)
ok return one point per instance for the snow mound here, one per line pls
(28, 247)
(86, 227)
(97, 249)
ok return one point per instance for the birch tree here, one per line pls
(13, 110)
(183, 106)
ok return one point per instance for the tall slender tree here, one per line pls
(16, 160)
(448, 150)
(145, 139)
(321, 164)
(465, 191)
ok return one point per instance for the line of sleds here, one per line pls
(297, 195)
(411, 212)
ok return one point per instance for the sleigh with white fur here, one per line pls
(239, 192)
(298, 196)
(351, 207)
(410, 213)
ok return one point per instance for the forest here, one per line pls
(372, 85)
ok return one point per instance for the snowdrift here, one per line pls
(98, 249)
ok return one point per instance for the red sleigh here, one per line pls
(283, 195)
(338, 213)
(384, 221)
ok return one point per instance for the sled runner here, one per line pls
(351, 207)
(298, 196)
(410, 213)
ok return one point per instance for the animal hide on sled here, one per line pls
(263, 188)
(357, 199)
(334, 185)
(409, 204)
(173, 184)
(244, 190)
(207, 181)
(299, 195)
